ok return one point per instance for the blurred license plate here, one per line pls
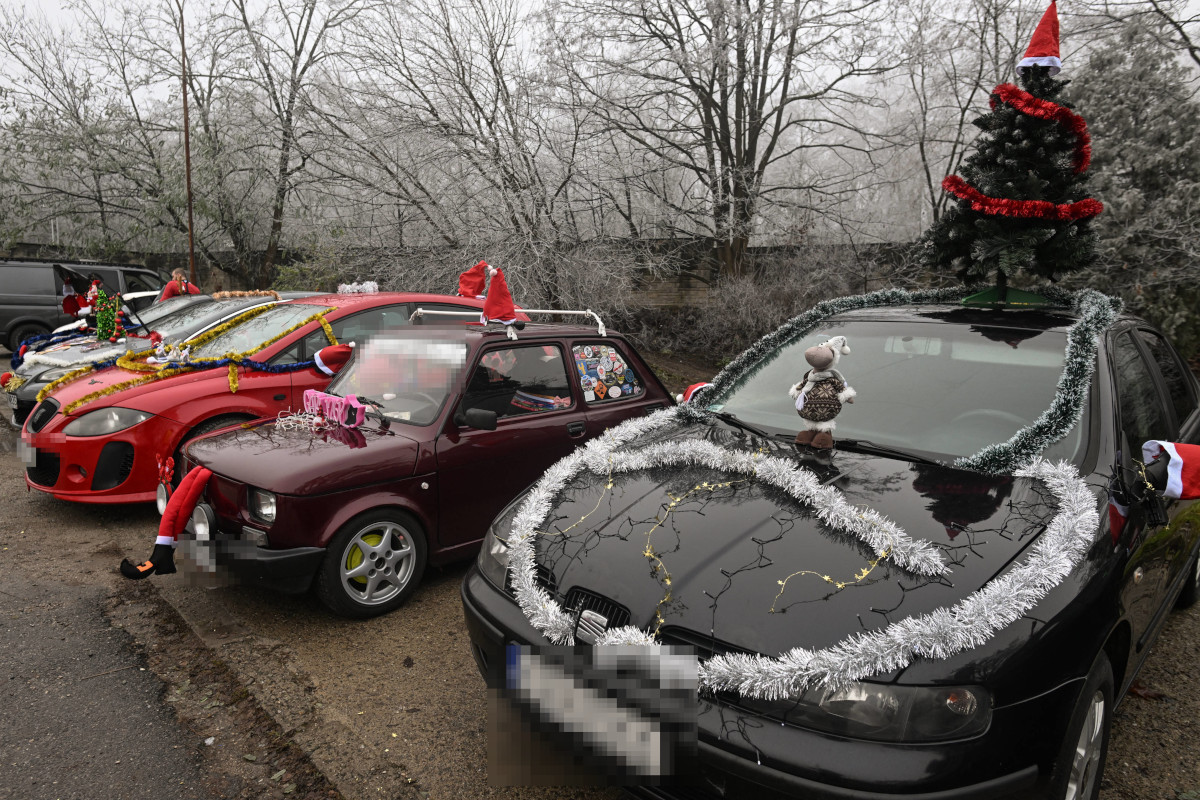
(12, 400)
(26, 452)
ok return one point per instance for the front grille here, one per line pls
(542, 574)
(43, 414)
(22, 411)
(113, 466)
(579, 600)
(44, 471)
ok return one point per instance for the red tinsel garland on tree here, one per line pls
(1026, 103)
(1025, 209)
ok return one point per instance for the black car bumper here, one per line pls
(290, 571)
(743, 754)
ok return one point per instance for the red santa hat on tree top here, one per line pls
(471, 283)
(1043, 47)
(498, 306)
(1183, 467)
(330, 360)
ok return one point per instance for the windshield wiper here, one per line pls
(867, 446)
(730, 419)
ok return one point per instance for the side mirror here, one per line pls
(479, 418)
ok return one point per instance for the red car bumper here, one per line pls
(117, 468)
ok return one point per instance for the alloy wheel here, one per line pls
(1085, 764)
(377, 563)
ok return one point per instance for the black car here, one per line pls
(949, 604)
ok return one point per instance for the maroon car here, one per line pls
(456, 422)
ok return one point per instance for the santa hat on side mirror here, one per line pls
(472, 282)
(498, 306)
(1043, 47)
(330, 360)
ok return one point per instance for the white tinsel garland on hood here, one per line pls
(939, 634)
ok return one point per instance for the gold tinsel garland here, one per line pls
(135, 362)
(125, 361)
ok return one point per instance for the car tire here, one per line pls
(1191, 588)
(373, 564)
(24, 331)
(208, 426)
(1080, 764)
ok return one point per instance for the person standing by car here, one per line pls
(179, 284)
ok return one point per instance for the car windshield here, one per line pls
(943, 389)
(408, 376)
(152, 314)
(253, 332)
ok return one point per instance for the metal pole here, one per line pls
(187, 146)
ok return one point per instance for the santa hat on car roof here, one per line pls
(1183, 467)
(498, 306)
(1043, 47)
(331, 359)
(471, 283)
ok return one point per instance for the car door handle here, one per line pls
(280, 396)
(576, 428)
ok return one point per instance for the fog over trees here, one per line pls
(573, 142)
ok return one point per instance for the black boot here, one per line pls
(161, 562)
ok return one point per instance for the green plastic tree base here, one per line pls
(1002, 296)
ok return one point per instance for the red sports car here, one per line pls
(87, 443)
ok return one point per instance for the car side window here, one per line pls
(139, 282)
(515, 381)
(1179, 388)
(1143, 416)
(604, 373)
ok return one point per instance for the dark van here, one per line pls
(31, 292)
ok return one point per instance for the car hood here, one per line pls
(151, 397)
(757, 570)
(77, 355)
(302, 462)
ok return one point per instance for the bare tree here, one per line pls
(721, 91)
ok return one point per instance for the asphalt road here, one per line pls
(387, 708)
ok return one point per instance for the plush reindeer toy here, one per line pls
(821, 392)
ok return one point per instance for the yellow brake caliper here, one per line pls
(355, 556)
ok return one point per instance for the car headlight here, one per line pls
(105, 421)
(202, 522)
(54, 374)
(889, 713)
(161, 497)
(493, 557)
(262, 504)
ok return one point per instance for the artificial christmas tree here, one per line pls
(1022, 198)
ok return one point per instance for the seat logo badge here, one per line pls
(590, 626)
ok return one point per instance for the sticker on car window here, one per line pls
(604, 374)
